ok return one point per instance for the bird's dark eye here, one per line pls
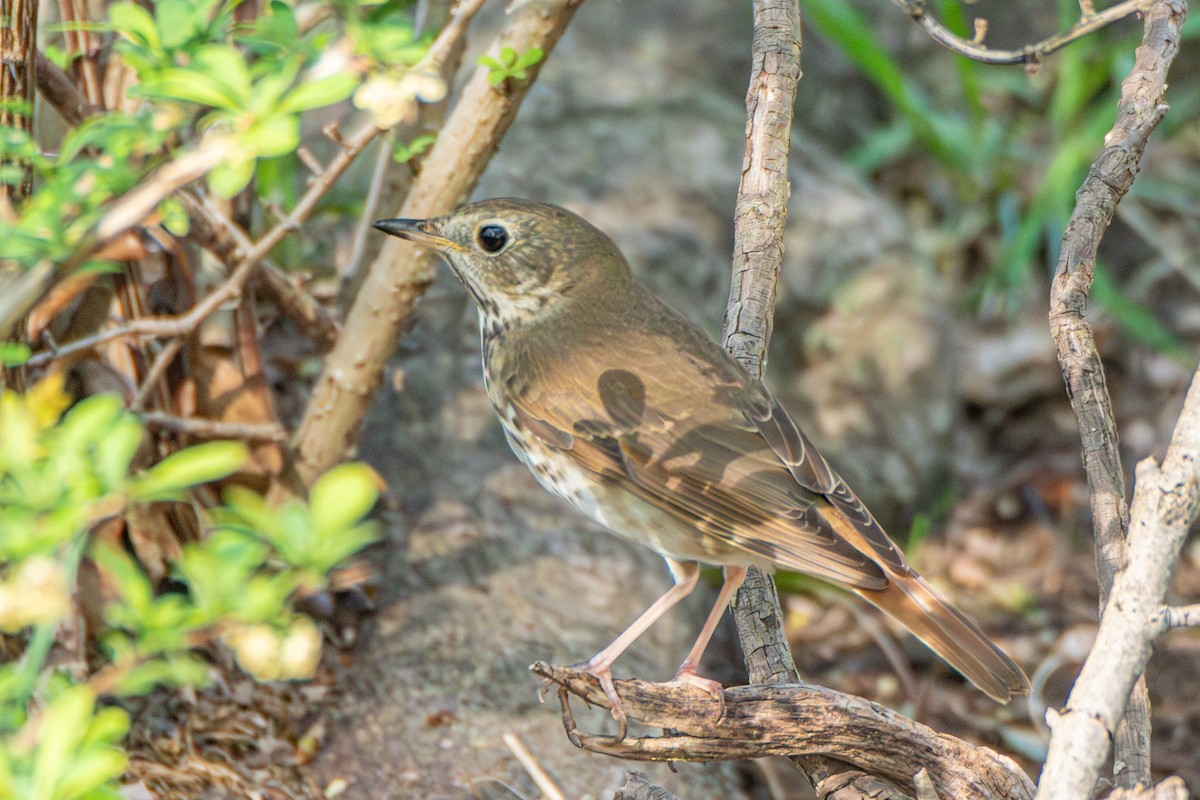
(492, 238)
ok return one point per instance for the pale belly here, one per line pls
(616, 509)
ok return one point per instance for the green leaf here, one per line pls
(404, 152)
(530, 57)
(64, 723)
(174, 217)
(274, 136)
(175, 22)
(230, 177)
(197, 464)
(13, 354)
(135, 23)
(115, 452)
(319, 93)
(226, 64)
(192, 86)
(341, 497)
(90, 419)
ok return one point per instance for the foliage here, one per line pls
(62, 476)
(510, 64)
(990, 127)
(199, 77)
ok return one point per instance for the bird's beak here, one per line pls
(415, 230)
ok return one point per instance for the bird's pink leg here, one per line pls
(687, 670)
(600, 665)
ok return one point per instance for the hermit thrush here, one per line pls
(632, 413)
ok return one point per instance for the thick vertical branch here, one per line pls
(757, 253)
(401, 273)
(1141, 108)
(18, 50)
(759, 219)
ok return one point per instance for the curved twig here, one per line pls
(1089, 22)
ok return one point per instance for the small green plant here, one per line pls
(510, 64)
(403, 152)
(62, 475)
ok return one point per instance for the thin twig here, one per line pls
(544, 783)
(157, 368)
(1032, 54)
(352, 272)
(215, 429)
(231, 288)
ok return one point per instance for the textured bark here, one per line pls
(791, 719)
(759, 219)
(18, 50)
(1140, 110)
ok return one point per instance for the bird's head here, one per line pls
(518, 258)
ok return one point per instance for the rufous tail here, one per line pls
(916, 606)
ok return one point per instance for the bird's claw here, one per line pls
(710, 687)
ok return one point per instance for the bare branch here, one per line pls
(1032, 54)
(791, 719)
(1171, 617)
(215, 429)
(759, 218)
(1111, 175)
(1165, 503)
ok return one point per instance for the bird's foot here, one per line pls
(687, 675)
(602, 672)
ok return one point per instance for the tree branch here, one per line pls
(1031, 54)
(1112, 173)
(790, 719)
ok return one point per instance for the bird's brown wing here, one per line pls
(713, 449)
(699, 458)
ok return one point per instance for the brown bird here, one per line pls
(632, 413)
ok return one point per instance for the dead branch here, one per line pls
(1139, 112)
(1032, 54)
(790, 719)
(1171, 617)
(401, 272)
(759, 218)
(638, 787)
(215, 429)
